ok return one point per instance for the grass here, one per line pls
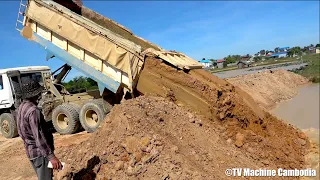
(224, 69)
(312, 71)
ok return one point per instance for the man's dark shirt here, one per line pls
(38, 141)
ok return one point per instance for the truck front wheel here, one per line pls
(91, 115)
(8, 125)
(65, 119)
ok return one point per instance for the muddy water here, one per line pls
(303, 110)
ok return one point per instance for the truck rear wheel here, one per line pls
(91, 115)
(8, 125)
(65, 119)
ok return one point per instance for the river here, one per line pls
(303, 110)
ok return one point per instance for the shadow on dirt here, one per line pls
(88, 173)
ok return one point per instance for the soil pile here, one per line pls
(155, 137)
(152, 138)
(269, 87)
(242, 121)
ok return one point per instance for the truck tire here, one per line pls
(78, 108)
(65, 119)
(106, 106)
(91, 115)
(8, 125)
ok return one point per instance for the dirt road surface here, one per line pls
(13, 159)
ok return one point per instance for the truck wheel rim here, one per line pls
(5, 126)
(91, 118)
(62, 121)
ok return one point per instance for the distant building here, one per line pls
(243, 64)
(279, 54)
(311, 49)
(221, 63)
(284, 49)
(314, 50)
(269, 53)
(206, 62)
(245, 58)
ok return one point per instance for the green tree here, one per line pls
(80, 84)
(229, 59)
(92, 82)
(276, 50)
(232, 58)
(213, 62)
(294, 51)
(263, 52)
(318, 45)
(257, 59)
(236, 58)
(225, 64)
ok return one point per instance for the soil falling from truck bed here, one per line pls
(200, 126)
(237, 113)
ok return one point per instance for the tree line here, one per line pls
(291, 52)
(80, 84)
(297, 50)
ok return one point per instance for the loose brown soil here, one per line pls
(14, 163)
(153, 138)
(269, 87)
(187, 125)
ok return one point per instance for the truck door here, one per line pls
(6, 99)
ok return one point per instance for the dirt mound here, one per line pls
(237, 113)
(269, 87)
(152, 138)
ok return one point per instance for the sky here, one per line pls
(199, 29)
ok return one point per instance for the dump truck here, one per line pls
(100, 48)
(9, 99)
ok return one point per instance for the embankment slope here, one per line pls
(270, 87)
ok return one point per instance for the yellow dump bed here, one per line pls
(106, 56)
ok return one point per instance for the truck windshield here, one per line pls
(37, 76)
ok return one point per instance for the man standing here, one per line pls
(38, 141)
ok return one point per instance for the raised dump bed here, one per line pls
(106, 56)
(115, 61)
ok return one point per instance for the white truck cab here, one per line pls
(8, 98)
